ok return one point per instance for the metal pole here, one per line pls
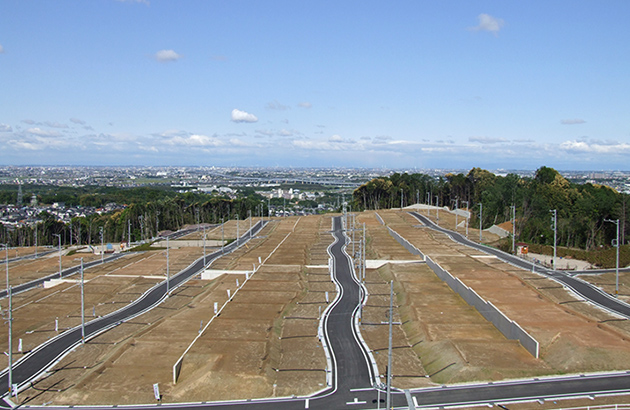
(168, 273)
(10, 292)
(237, 231)
(513, 229)
(401, 199)
(82, 305)
(467, 210)
(364, 253)
(250, 224)
(128, 233)
(6, 254)
(456, 209)
(617, 266)
(354, 255)
(204, 245)
(102, 248)
(59, 237)
(480, 220)
(437, 207)
(554, 222)
(222, 237)
(389, 349)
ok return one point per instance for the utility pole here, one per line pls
(128, 233)
(514, 231)
(168, 273)
(6, 255)
(102, 248)
(364, 253)
(237, 232)
(401, 199)
(428, 200)
(437, 207)
(59, 237)
(480, 220)
(250, 223)
(10, 293)
(82, 305)
(467, 210)
(204, 246)
(554, 226)
(389, 349)
(141, 218)
(456, 209)
(222, 237)
(35, 242)
(615, 243)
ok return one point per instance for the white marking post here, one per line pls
(216, 307)
(156, 391)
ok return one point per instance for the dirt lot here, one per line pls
(264, 342)
(574, 336)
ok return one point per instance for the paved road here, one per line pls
(352, 374)
(46, 354)
(64, 274)
(31, 256)
(582, 288)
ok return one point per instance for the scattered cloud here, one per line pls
(219, 58)
(165, 56)
(572, 121)
(29, 122)
(596, 147)
(275, 105)
(196, 140)
(242, 116)
(5, 128)
(488, 23)
(77, 121)
(487, 140)
(305, 104)
(43, 133)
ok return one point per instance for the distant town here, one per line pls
(329, 185)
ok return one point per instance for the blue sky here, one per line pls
(425, 84)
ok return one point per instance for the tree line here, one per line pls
(582, 209)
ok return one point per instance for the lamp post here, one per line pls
(168, 273)
(389, 349)
(6, 254)
(10, 294)
(401, 199)
(456, 209)
(59, 237)
(616, 245)
(82, 305)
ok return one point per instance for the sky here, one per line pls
(316, 83)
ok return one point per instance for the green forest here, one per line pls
(582, 209)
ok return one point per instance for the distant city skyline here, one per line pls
(410, 84)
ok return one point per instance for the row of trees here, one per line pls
(582, 208)
(141, 220)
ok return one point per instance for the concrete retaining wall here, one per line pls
(509, 328)
(405, 243)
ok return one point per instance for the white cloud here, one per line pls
(489, 23)
(572, 121)
(29, 122)
(165, 56)
(77, 121)
(5, 128)
(242, 116)
(43, 133)
(596, 147)
(487, 140)
(305, 104)
(196, 140)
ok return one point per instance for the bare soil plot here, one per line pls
(250, 350)
(21, 251)
(28, 269)
(574, 336)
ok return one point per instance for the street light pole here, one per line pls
(6, 254)
(456, 209)
(616, 245)
(59, 237)
(168, 273)
(389, 349)
(10, 293)
(82, 305)
(437, 207)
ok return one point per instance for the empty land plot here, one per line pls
(237, 355)
(27, 270)
(571, 340)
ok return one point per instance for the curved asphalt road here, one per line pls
(45, 355)
(582, 288)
